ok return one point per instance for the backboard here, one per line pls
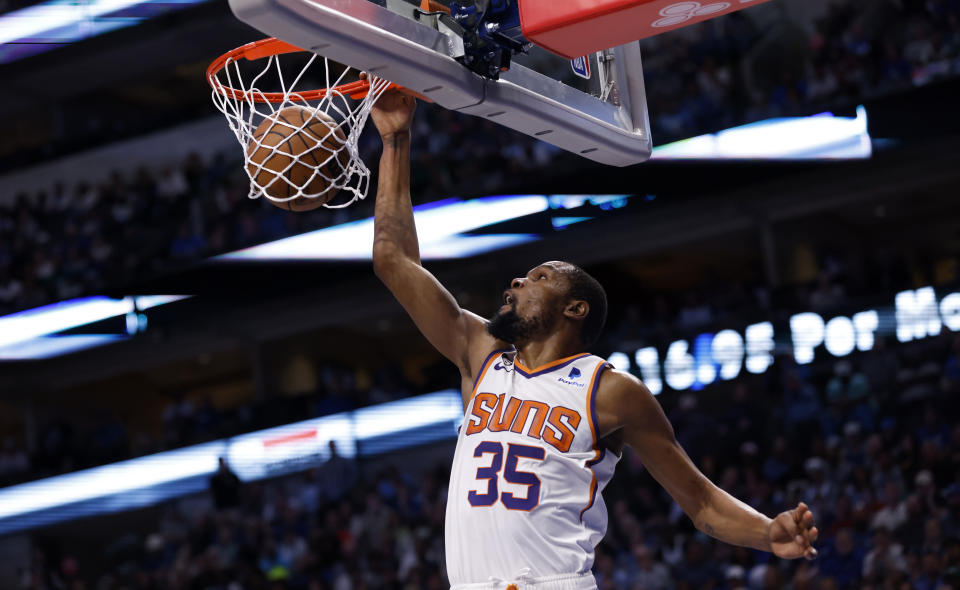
(604, 119)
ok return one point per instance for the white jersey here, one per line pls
(528, 472)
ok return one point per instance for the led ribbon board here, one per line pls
(443, 229)
(51, 24)
(693, 364)
(31, 334)
(819, 137)
(148, 480)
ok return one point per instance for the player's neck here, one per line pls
(541, 352)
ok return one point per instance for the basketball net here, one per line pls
(236, 94)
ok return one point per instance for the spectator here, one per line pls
(894, 511)
(337, 474)
(801, 405)
(697, 570)
(649, 574)
(828, 295)
(841, 560)
(693, 426)
(951, 562)
(880, 366)
(225, 487)
(885, 560)
(694, 314)
(951, 368)
(929, 577)
(776, 467)
(932, 535)
(736, 578)
(13, 460)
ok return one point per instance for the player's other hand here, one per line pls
(792, 533)
(393, 112)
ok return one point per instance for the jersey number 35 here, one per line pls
(510, 474)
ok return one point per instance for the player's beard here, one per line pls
(510, 327)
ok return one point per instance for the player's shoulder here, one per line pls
(618, 386)
(621, 397)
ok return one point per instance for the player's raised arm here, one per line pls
(625, 404)
(458, 334)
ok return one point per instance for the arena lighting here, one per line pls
(807, 329)
(678, 367)
(57, 317)
(257, 455)
(21, 327)
(45, 26)
(950, 312)
(916, 314)
(46, 347)
(564, 222)
(759, 347)
(822, 136)
(388, 418)
(727, 350)
(440, 226)
(52, 17)
(648, 360)
(107, 480)
(620, 361)
(260, 454)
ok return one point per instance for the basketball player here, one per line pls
(545, 422)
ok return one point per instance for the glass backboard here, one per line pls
(603, 118)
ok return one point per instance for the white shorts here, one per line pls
(583, 581)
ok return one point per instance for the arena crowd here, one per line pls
(871, 443)
(79, 239)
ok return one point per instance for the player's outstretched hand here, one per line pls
(393, 112)
(792, 533)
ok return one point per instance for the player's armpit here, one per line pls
(624, 403)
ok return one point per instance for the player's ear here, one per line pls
(577, 309)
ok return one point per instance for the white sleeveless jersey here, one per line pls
(527, 475)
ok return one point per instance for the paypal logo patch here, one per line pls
(572, 378)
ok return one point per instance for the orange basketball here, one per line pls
(293, 150)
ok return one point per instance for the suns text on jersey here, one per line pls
(555, 425)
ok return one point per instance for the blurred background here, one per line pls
(194, 386)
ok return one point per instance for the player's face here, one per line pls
(531, 306)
